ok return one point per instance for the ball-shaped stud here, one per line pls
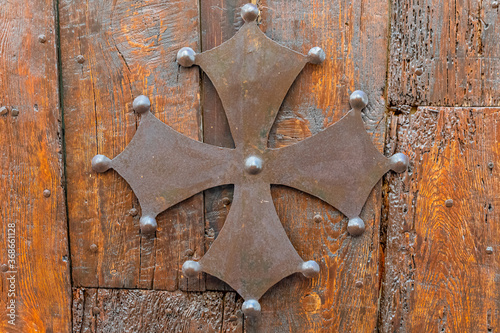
(249, 12)
(141, 104)
(316, 55)
(191, 268)
(253, 165)
(358, 99)
(148, 225)
(186, 57)
(101, 163)
(356, 226)
(399, 162)
(310, 269)
(251, 308)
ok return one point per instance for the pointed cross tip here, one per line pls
(249, 12)
(101, 163)
(186, 57)
(141, 104)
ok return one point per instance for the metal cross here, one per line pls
(252, 75)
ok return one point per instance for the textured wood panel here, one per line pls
(35, 285)
(443, 263)
(444, 53)
(112, 52)
(354, 37)
(105, 310)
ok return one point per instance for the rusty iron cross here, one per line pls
(252, 75)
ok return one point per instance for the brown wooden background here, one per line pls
(432, 72)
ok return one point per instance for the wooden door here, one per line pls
(72, 257)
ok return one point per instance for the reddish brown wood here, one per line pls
(442, 263)
(32, 209)
(112, 52)
(112, 310)
(444, 53)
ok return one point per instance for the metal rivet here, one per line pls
(189, 253)
(3, 111)
(96, 310)
(399, 162)
(448, 203)
(251, 308)
(42, 38)
(494, 4)
(318, 218)
(65, 258)
(253, 165)
(419, 71)
(489, 250)
(316, 55)
(93, 248)
(359, 284)
(14, 112)
(226, 201)
(233, 317)
(358, 99)
(186, 57)
(101, 163)
(249, 12)
(46, 193)
(141, 104)
(191, 268)
(80, 59)
(491, 164)
(4, 267)
(310, 269)
(148, 225)
(133, 212)
(356, 226)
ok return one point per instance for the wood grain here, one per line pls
(355, 40)
(443, 260)
(112, 310)
(112, 52)
(32, 210)
(444, 53)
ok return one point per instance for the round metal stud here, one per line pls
(251, 308)
(399, 162)
(101, 163)
(42, 38)
(358, 99)
(249, 12)
(191, 268)
(148, 225)
(253, 165)
(186, 57)
(316, 55)
(310, 268)
(141, 104)
(46, 193)
(356, 226)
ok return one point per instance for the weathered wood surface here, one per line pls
(111, 53)
(32, 209)
(444, 53)
(442, 263)
(144, 311)
(356, 59)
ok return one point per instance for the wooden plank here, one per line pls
(356, 59)
(114, 310)
(111, 53)
(444, 53)
(443, 259)
(35, 290)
